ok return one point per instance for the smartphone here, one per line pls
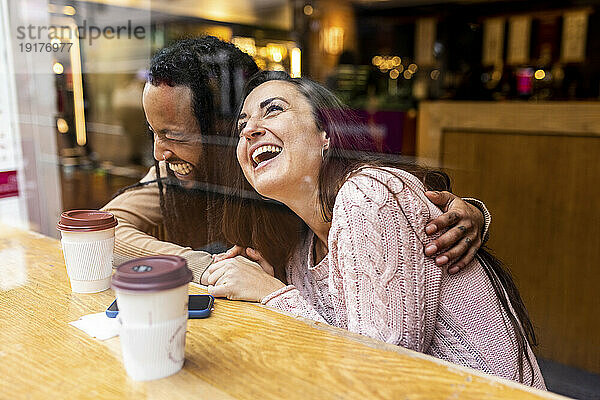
(199, 306)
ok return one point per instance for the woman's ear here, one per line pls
(325, 140)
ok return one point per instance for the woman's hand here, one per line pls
(238, 278)
(456, 248)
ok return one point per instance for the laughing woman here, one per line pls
(358, 259)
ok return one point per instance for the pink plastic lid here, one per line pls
(151, 274)
(86, 221)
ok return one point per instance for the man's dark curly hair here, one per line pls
(216, 72)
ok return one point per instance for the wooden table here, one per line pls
(243, 351)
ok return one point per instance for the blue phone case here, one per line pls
(112, 311)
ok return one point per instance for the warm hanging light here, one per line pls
(58, 68)
(276, 52)
(295, 64)
(539, 74)
(69, 10)
(333, 39)
(78, 103)
(62, 125)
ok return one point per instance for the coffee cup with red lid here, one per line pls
(88, 240)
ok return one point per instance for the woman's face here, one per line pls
(177, 137)
(279, 148)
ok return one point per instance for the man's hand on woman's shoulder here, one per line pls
(457, 247)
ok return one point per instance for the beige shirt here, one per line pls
(141, 230)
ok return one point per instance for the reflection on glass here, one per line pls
(14, 269)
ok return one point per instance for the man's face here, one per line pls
(177, 136)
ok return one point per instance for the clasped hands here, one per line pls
(243, 274)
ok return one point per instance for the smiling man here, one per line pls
(175, 130)
(189, 102)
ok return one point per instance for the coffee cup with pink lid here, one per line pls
(152, 296)
(88, 241)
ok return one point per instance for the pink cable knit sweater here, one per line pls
(376, 281)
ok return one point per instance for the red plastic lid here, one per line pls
(86, 221)
(152, 274)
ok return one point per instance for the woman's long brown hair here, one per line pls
(275, 231)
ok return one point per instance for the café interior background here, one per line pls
(504, 95)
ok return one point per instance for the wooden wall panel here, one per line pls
(546, 227)
(543, 190)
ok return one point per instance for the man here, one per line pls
(189, 101)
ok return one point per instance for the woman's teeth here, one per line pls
(266, 152)
(181, 168)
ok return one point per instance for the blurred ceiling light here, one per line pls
(69, 10)
(539, 74)
(413, 68)
(407, 74)
(295, 64)
(62, 125)
(394, 74)
(308, 10)
(435, 74)
(246, 44)
(333, 40)
(58, 68)
(386, 63)
(276, 52)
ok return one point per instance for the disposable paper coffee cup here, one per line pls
(152, 296)
(153, 351)
(88, 240)
(148, 308)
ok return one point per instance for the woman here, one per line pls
(358, 261)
